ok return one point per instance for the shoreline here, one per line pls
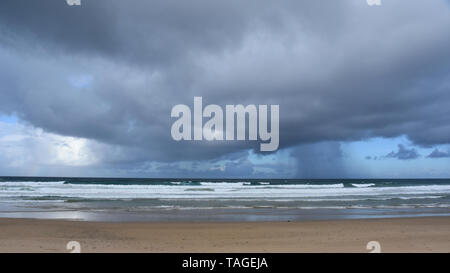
(420, 234)
(220, 214)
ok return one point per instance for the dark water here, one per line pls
(128, 199)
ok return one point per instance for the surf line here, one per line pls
(235, 116)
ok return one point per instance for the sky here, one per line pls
(364, 91)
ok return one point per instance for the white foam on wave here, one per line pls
(29, 183)
(363, 185)
(217, 190)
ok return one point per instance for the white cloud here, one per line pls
(23, 145)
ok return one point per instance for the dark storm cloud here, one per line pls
(321, 160)
(403, 153)
(150, 32)
(438, 154)
(340, 70)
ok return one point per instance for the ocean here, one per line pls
(131, 199)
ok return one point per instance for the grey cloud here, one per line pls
(156, 33)
(438, 154)
(321, 160)
(403, 153)
(340, 72)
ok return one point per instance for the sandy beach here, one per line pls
(427, 234)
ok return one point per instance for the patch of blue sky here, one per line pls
(81, 81)
(11, 119)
